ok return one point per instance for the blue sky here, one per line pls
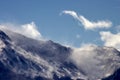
(65, 28)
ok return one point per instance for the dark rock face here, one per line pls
(6, 74)
(3, 36)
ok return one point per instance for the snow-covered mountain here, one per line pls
(23, 58)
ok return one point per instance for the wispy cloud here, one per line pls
(29, 30)
(87, 23)
(110, 39)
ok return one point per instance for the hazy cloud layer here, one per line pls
(29, 30)
(110, 39)
(87, 23)
(91, 57)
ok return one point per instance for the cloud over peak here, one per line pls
(29, 30)
(110, 39)
(87, 23)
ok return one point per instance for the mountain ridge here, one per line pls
(46, 60)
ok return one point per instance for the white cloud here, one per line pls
(110, 39)
(29, 30)
(87, 23)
